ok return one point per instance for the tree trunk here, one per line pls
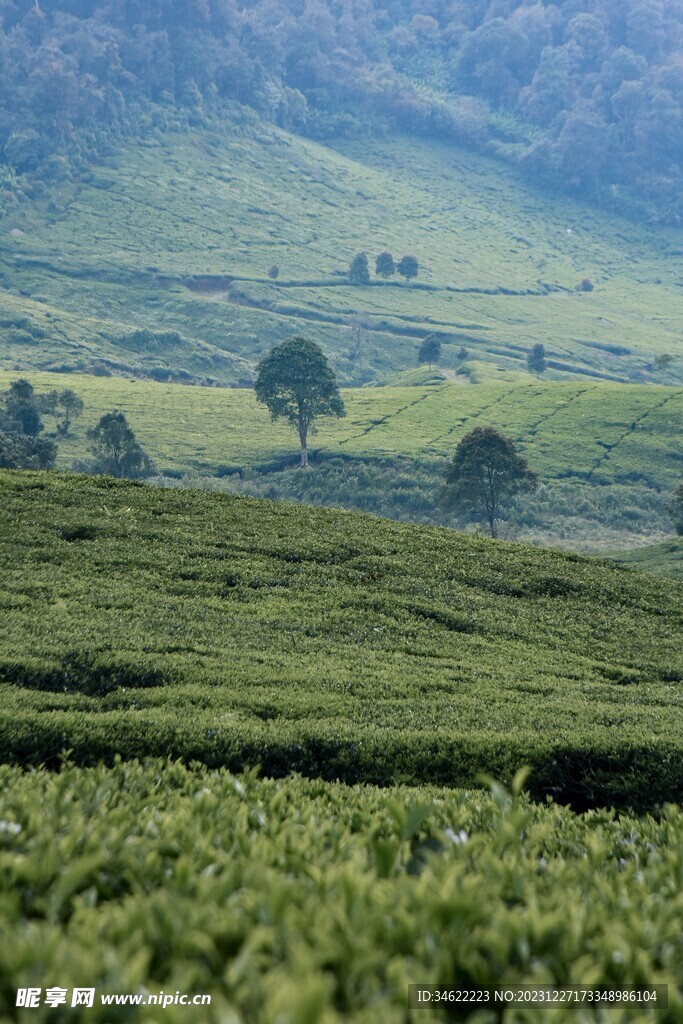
(303, 438)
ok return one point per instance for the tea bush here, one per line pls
(301, 901)
(241, 632)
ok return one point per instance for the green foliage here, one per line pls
(115, 449)
(17, 451)
(607, 454)
(407, 267)
(536, 360)
(241, 632)
(430, 350)
(296, 900)
(19, 410)
(20, 425)
(384, 265)
(176, 275)
(296, 381)
(359, 272)
(486, 471)
(665, 559)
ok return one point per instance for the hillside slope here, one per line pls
(595, 432)
(662, 559)
(608, 455)
(174, 235)
(240, 632)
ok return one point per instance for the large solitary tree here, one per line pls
(486, 470)
(295, 380)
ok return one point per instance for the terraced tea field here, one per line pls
(605, 434)
(140, 621)
(176, 236)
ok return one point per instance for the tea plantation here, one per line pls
(156, 262)
(240, 632)
(304, 902)
(257, 638)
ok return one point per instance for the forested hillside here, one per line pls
(584, 94)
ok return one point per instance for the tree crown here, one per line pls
(486, 470)
(295, 380)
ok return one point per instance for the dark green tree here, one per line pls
(20, 412)
(407, 267)
(359, 272)
(20, 425)
(21, 451)
(295, 380)
(384, 265)
(116, 451)
(486, 471)
(70, 405)
(536, 360)
(430, 350)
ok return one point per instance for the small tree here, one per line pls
(407, 267)
(485, 472)
(536, 360)
(677, 510)
(429, 351)
(274, 272)
(359, 272)
(295, 380)
(116, 451)
(384, 265)
(71, 407)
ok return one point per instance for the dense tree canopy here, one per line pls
(295, 381)
(592, 92)
(485, 472)
(116, 450)
(20, 425)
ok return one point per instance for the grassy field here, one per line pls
(608, 455)
(175, 235)
(301, 902)
(242, 632)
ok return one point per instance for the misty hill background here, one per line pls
(586, 95)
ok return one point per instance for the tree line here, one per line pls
(24, 443)
(591, 95)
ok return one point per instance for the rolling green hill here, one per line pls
(602, 433)
(608, 455)
(174, 235)
(239, 632)
(663, 559)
